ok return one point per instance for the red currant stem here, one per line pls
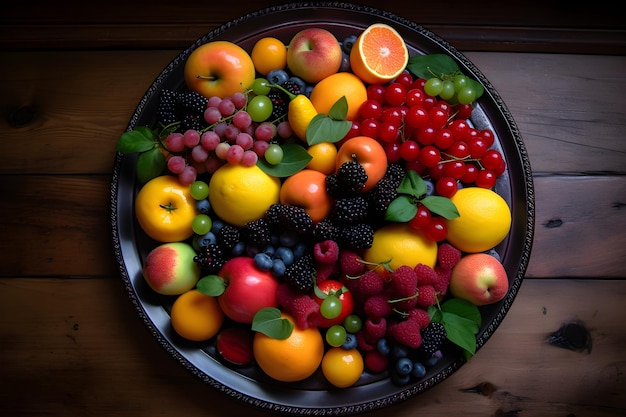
(456, 158)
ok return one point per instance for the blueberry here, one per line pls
(203, 206)
(289, 239)
(399, 351)
(278, 268)
(434, 358)
(492, 252)
(351, 341)
(217, 225)
(263, 261)
(430, 187)
(300, 249)
(206, 239)
(345, 63)
(270, 250)
(299, 82)
(308, 90)
(285, 254)
(383, 346)
(404, 366)
(398, 379)
(348, 43)
(277, 76)
(419, 370)
(238, 249)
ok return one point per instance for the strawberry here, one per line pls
(407, 332)
(448, 256)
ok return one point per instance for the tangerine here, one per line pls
(269, 54)
(240, 194)
(292, 359)
(484, 219)
(342, 84)
(323, 157)
(196, 316)
(379, 54)
(342, 367)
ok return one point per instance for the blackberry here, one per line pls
(333, 186)
(210, 259)
(357, 236)
(272, 215)
(295, 219)
(300, 274)
(166, 112)
(350, 210)
(191, 103)
(433, 337)
(258, 233)
(280, 104)
(379, 197)
(292, 86)
(395, 173)
(326, 230)
(191, 121)
(228, 236)
(352, 176)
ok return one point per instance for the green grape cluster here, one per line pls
(454, 88)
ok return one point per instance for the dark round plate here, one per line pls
(314, 396)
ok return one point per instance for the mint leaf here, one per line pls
(212, 285)
(441, 206)
(295, 158)
(401, 209)
(150, 164)
(140, 139)
(270, 322)
(433, 65)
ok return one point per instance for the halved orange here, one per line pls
(379, 54)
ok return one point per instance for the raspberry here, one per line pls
(403, 281)
(363, 341)
(425, 274)
(350, 263)
(375, 361)
(302, 307)
(375, 327)
(368, 284)
(324, 272)
(326, 252)
(433, 337)
(448, 256)
(407, 333)
(377, 306)
(426, 296)
(443, 280)
(420, 316)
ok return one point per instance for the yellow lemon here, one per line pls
(484, 221)
(240, 194)
(342, 84)
(400, 244)
(301, 112)
(324, 156)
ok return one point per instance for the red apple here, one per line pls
(248, 289)
(313, 54)
(480, 279)
(169, 269)
(219, 68)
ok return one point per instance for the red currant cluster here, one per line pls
(433, 137)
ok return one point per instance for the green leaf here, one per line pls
(461, 331)
(140, 139)
(433, 65)
(462, 308)
(412, 184)
(212, 285)
(325, 129)
(270, 322)
(401, 209)
(295, 158)
(339, 110)
(440, 205)
(150, 164)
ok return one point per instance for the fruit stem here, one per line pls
(204, 77)
(289, 93)
(169, 207)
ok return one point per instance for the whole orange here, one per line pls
(292, 359)
(196, 316)
(342, 84)
(369, 153)
(307, 189)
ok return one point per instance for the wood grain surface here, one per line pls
(71, 343)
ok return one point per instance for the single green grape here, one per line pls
(274, 154)
(331, 307)
(460, 81)
(353, 323)
(201, 224)
(447, 91)
(466, 95)
(336, 335)
(260, 87)
(259, 108)
(199, 190)
(433, 86)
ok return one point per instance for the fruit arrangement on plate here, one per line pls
(319, 209)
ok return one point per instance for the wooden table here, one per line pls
(71, 344)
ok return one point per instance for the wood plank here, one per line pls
(579, 226)
(73, 133)
(75, 347)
